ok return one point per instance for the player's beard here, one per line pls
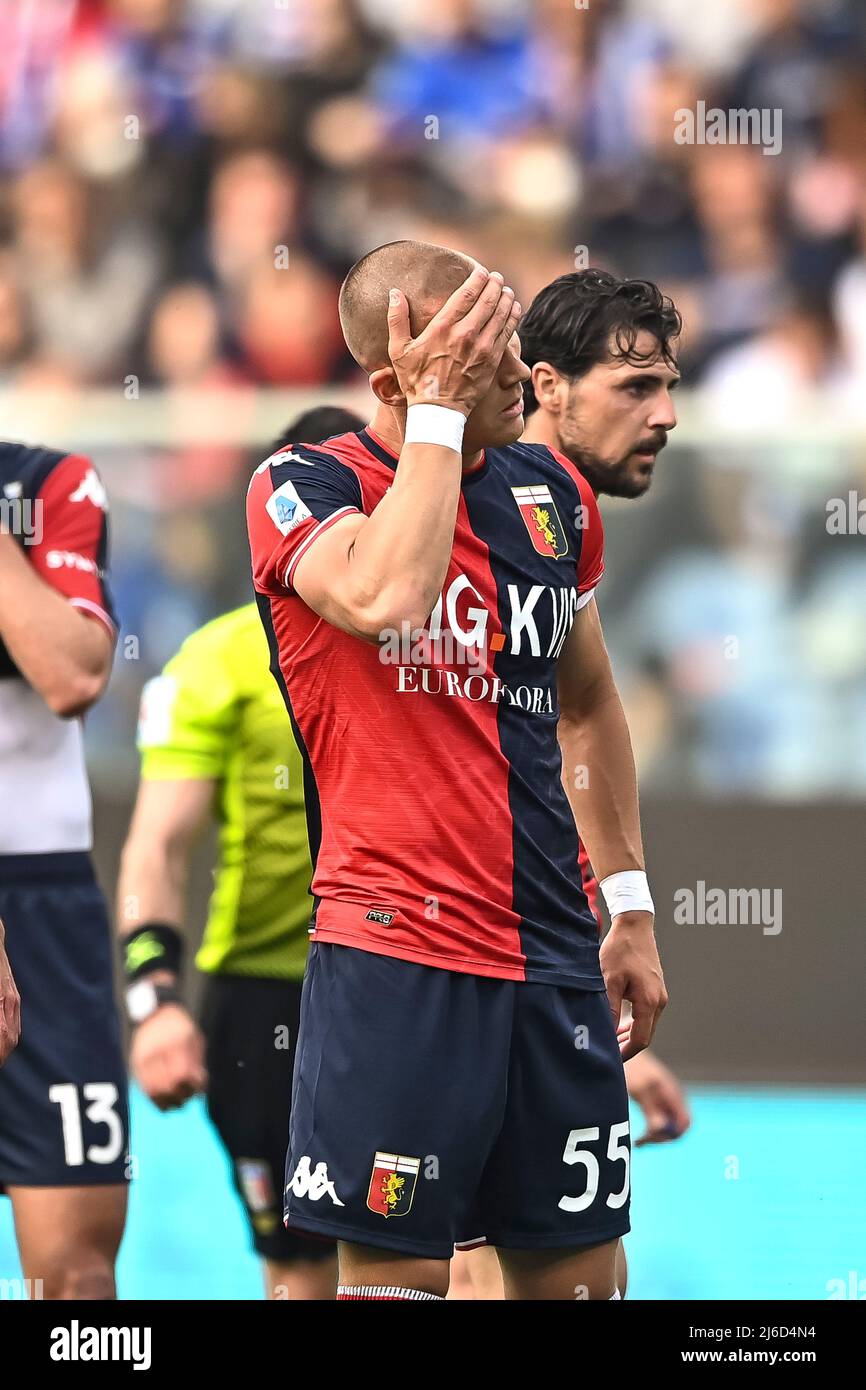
(612, 479)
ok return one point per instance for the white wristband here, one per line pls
(627, 891)
(435, 424)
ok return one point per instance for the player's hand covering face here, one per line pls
(454, 360)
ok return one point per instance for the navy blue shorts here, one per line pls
(63, 1098)
(432, 1109)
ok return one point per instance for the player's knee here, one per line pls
(434, 1278)
(81, 1275)
(299, 1279)
(621, 1270)
(363, 1268)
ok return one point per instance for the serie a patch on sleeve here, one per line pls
(286, 508)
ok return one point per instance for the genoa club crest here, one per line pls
(541, 518)
(392, 1184)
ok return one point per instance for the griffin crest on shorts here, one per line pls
(392, 1184)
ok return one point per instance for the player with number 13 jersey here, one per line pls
(63, 1102)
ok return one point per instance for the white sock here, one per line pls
(345, 1291)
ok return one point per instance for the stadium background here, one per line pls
(183, 186)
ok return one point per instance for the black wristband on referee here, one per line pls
(151, 947)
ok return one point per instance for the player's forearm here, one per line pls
(61, 653)
(152, 885)
(400, 557)
(598, 774)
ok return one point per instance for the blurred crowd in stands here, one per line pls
(184, 183)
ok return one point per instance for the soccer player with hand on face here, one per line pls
(460, 1077)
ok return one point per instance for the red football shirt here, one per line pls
(440, 829)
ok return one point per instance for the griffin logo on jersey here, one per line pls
(541, 519)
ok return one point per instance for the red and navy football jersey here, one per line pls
(440, 829)
(55, 506)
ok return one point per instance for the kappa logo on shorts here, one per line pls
(314, 1184)
(383, 915)
(392, 1184)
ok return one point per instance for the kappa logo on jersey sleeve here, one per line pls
(286, 509)
(392, 1184)
(287, 456)
(91, 489)
(281, 456)
(313, 1183)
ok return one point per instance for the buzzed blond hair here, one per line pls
(427, 275)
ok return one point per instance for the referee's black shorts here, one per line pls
(251, 1028)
